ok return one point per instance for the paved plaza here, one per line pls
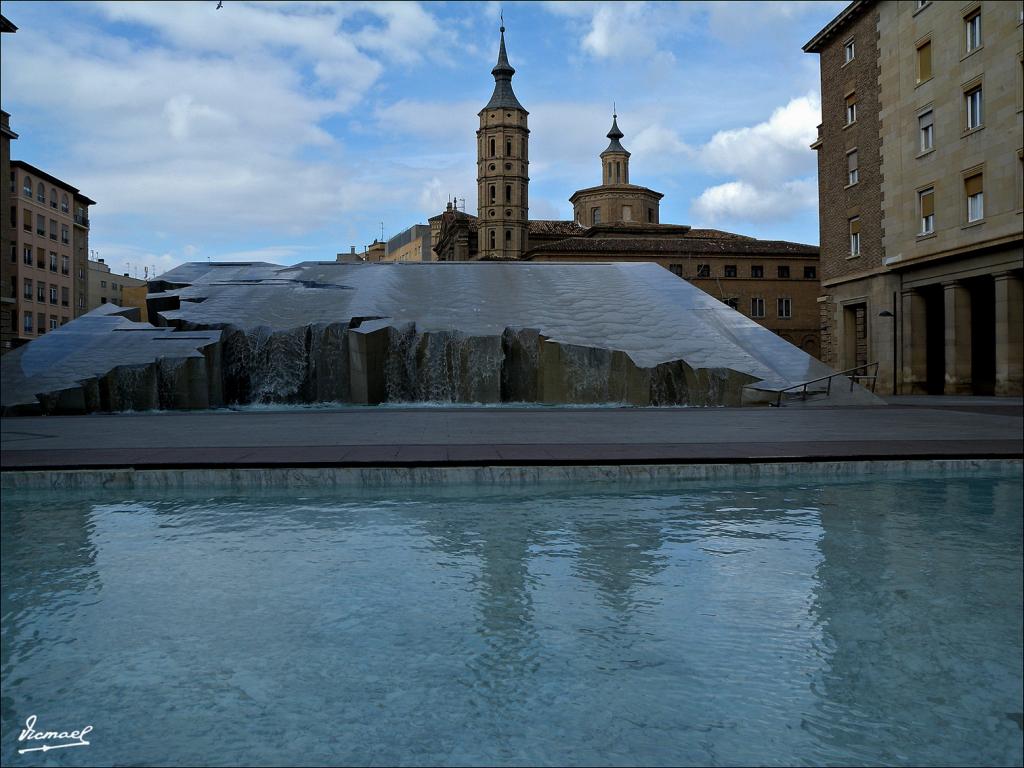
(908, 428)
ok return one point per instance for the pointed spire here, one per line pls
(503, 96)
(615, 134)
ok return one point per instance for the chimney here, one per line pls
(101, 261)
(126, 274)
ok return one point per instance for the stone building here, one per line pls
(920, 188)
(774, 283)
(412, 244)
(48, 229)
(8, 289)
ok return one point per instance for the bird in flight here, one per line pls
(220, 4)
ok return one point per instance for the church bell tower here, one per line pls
(502, 160)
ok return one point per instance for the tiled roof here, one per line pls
(715, 233)
(555, 227)
(638, 246)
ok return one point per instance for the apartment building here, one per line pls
(7, 301)
(109, 287)
(920, 182)
(48, 241)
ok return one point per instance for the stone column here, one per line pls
(958, 338)
(913, 336)
(1009, 334)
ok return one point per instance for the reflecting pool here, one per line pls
(774, 623)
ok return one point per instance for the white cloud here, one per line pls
(743, 201)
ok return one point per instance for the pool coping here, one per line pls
(252, 478)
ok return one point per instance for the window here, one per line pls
(972, 31)
(103, 283)
(851, 108)
(65, 296)
(28, 322)
(854, 226)
(63, 320)
(28, 289)
(975, 198)
(810, 273)
(595, 215)
(729, 270)
(926, 210)
(103, 299)
(852, 172)
(783, 273)
(508, 243)
(926, 130)
(53, 294)
(53, 197)
(493, 194)
(493, 245)
(627, 213)
(973, 103)
(64, 208)
(27, 217)
(53, 229)
(508, 147)
(53, 261)
(26, 255)
(40, 224)
(508, 193)
(785, 308)
(81, 301)
(26, 190)
(704, 270)
(618, 172)
(757, 271)
(732, 302)
(65, 265)
(41, 193)
(757, 307)
(849, 51)
(64, 234)
(40, 291)
(650, 215)
(676, 269)
(53, 322)
(40, 323)
(492, 148)
(14, 253)
(924, 61)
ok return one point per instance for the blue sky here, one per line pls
(290, 131)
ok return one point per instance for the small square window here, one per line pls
(810, 273)
(757, 271)
(730, 270)
(704, 270)
(783, 273)
(676, 269)
(732, 302)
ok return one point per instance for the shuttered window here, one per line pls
(926, 203)
(924, 61)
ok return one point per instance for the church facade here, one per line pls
(773, 282)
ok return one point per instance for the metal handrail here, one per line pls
(828, 389)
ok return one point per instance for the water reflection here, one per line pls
(865, 622)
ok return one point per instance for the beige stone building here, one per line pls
(106, 287)
(8, 279)
(412, 244)
(48, 230)
(920, 191)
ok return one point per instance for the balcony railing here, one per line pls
(82, 221)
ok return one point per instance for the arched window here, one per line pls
(595, 216)
(492, 239)
(64, 204)
(508, 147)
(27, 189)
(609, 171)
(508, 238)
(492, 147)
(508, 193)
(41, 192)
(53, 197)
(493, 193)
(618, 171)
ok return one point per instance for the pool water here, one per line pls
(876, 621)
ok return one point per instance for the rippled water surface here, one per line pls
(819, 622)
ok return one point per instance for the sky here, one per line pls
(290, 131)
